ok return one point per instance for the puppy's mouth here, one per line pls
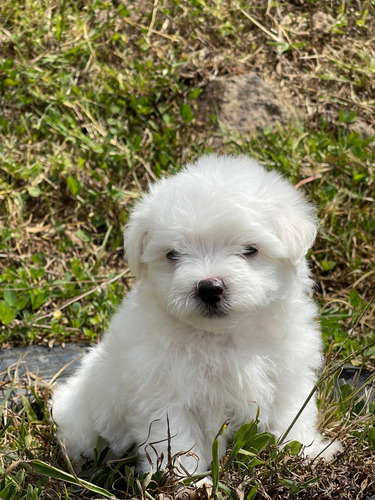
(211, 298)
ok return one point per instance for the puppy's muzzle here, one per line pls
(211, 292)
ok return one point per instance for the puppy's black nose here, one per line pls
(210, 291)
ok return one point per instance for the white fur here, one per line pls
(165, 355)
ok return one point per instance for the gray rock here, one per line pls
(244, 103)
(360, 379)
(323, 22)
(22, 367)
(363, 129)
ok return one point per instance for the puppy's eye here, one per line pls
(249, 251)
(173, 255)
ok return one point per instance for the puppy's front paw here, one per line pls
(322, 449)
(182, 463)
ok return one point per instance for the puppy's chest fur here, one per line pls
(220, 375)
(208, 373)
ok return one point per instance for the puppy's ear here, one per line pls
(296, 227)
(139, 228)
(135, 237)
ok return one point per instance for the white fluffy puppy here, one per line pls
(219, 323)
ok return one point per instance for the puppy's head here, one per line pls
(221, 239)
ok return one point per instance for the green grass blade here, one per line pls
(216, 459)
(48, 470)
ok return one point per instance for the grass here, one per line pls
(97, 99)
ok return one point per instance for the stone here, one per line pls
(360, 379)
(323, 22)
(243, 103)
(23, 367)
(363, 129)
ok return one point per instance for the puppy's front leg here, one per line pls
(75, 407)
(175, 437)
(292, 396)
(71, 411)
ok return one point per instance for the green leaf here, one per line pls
(48, 470)
(242, 440)
(253, 493)
(346, 390)
(355, 298)
(294, 448)
(216, 458)
(74, 185)
(328, 265)
(77, 268)
(227, 491)
(9, 492)
(82, 235)
(59, 28)
(21, 303)
(91, 334)
(261, 441)
(298, 487)
(195, 93)
(358, 177)
(347, 116)
(371, 437)
(37, 297)
(291, 484)
(29, 410)
(7, 314)
(9, 82)
(33, 191)
(247, 453)
(10, 297)
(37, 273)
(186, 113)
